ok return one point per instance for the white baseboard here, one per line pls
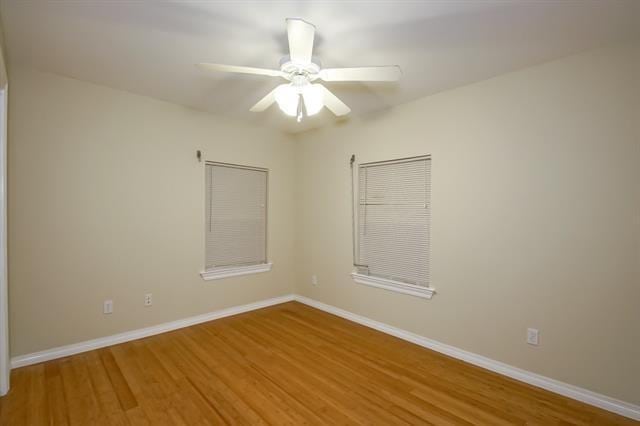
(75, 348)
(592, 398)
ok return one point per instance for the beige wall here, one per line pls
(3, 62)
(536, 217)
(107, 202)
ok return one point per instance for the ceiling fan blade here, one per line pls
(240, 69)
(332, 102)
(265, 102)
(384, 73)
(301, 34)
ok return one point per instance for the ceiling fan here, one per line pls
(301, 97)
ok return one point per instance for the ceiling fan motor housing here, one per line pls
(292, 69)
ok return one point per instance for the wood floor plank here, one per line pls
(287, 365)
(371, 388)
(145, 390)
(204, 382)
(291, 377)
(54, 390)
(81, 399)
(37, 400)
(240, 378)
(181, 405)
(125, 397)
(345, 382)
(14, 404)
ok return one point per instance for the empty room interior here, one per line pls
(320, 212)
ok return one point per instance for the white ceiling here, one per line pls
(149, 47)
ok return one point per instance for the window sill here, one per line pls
(233, 271)
(397, 286)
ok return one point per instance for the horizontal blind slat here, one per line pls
(394, 216)
(236, 216)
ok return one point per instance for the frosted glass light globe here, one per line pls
(313, 97)
(287, 98)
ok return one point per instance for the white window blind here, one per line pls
(236, 215)
(394, 216)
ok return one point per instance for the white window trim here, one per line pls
(233, 271)
(397, 286)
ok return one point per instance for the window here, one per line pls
(393, 218)
(236, 220)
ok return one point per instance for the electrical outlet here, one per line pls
(532, 336)
(148, 299)
(108, 307)
(314, 280)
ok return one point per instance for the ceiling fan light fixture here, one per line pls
(313, 97)
(288, 98)
(300, 97)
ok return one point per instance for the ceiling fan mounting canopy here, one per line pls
(300, 68)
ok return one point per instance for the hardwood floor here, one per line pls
(287, 364)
